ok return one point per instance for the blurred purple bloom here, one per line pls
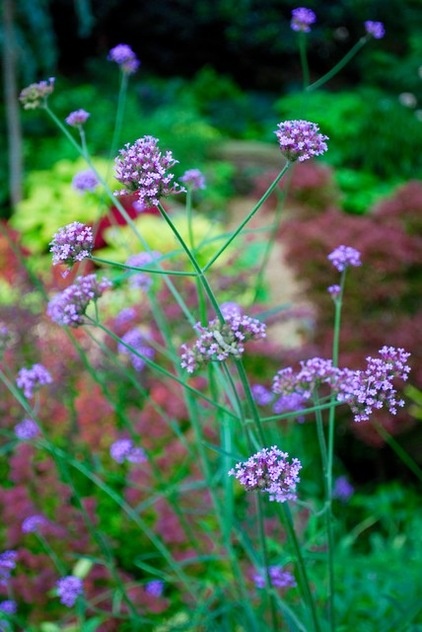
(142, 280)
(261, 395)
(36, 94)
(69, 307)
(334, 291)
(77, 118)
(312, 375)
(8, 607)
(141, 349)
(300, 140)
(27, 429)
(7, 565)
(376, 29)
(155, 587)
(344, 256)
(74, 242)
(143, 168)
(290, 402)
(302, 19)
(278, 578)
(85, 181)
(343, 489)
(31, 379)
(69, 588)
(124, 450)
(123, 56)
(35, 523)
(269, 471)
(194, 179)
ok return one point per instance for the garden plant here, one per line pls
(163, 469)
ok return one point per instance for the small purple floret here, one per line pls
(375, 29)
(344, 256)
(69, 307)
(124, 450)
(72, 243)
(36, 94)
(31, 379)
(77, 118)
(300, 140)
(123, 56)
(7, 565)
(138, 341)
(27, 429)
(194, 179)
(85, 181)
(302, 19)
(279, 578)
(33, 524)
(69, 588)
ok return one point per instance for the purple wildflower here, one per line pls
(77, 118)
(312, 375)
(30, 379)
(372, 389)
(26, 430)
(155, 587)
(126, 315)
(143, 168)
(262, 395)
(269, 471)
(230, 307)
(140, 349)
(279, 578)
(142, 280)
(69, 307)
(194, 179)
(300, 140)
(85, 181)
(7, 565)
(124, 450)
(69, 588)
(8, 607)
(343, 489)
(219, 341)
(124, 57)
(72, 243)
(302, 19)
(288, 403)
(36, 94)
(375, 29)
(334, 291)
(33, 524)
(344, 256)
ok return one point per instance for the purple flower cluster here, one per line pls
(155, 588)
(194, 179)
(279, 578)
(72, 243)
(300, 140)
(69, 307)
(302, 19)
(269, 471)
(26, 429)
(142, 280)
(140, 349)
(342, 489)
(8, 607)
(77, 118)
(85, 181)
(31, 379)
(7, 565)
(363, 391)
(34, 523)
(334, 291)
(36, 94)
(375, 29)
(143, 168)
(69, 588)
(286, 403)
(344, 256)
(219, 341)
(124, 450)
(123, 56)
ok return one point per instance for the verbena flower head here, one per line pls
(375, 29)
(123, 56)
(26, 430)
(85, 181)
(194, 179)
(269, 471)
(288, 403)
(279, 578)
(373, 389)
(220, 341)
(313, 373)
(139, 342)
(77, 118)
(300, 140)
(343, 489)
(141, 279)
(261, 395)
(69, 307)
(7, 565)
(344, 256)
(302, 19)
(33, 524)
(33, 378)
(72, 243)
(8, 607)
(124, 450)
(69, 588)
(155, 587)
(143, 168)
(36, 94)
(334, 291)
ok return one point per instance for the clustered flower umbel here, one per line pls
(375, 29)
(77, 118)
(69, 307)
(33, 378)
(362, 390)
(34, 523)
(221, 340)
(69, 588)
(36, 94)
(123, 56)
(125, 450)
(302, 19)
(135, 344)
(300, 140)
(72, 243)
(141, 279)
(7, 565)
(26, 430)
(194, 179)
(270, 471)
(279, 578)
(344, 256)
(141, 167)
(85, 181)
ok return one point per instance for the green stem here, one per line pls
(304, 59)
(341, 64)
